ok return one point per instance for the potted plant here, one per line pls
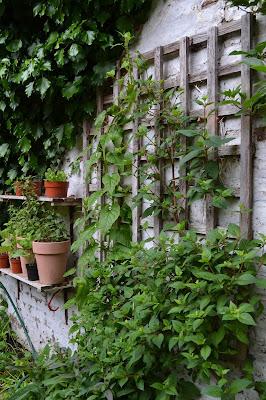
(10, 246)
(51, 248)
(4, 262)
(23, 183)
(23, 221)
(25, 251)
(55, 183)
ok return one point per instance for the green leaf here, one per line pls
(111, 181)
(255, 63)
(43, 85)
(29, 89)
(261, 283)
(69, 303)
(158, 340)
(90, 201)
(14, 45)
(99, 121)
(233, 229)
(24, 392)
(212, 169)
(2, 106)
(88, 37)
(213, 391)
(242, 337)
(24, 145)
(70, 272)
(205, 352)
(238, 385)
(189, 156)
(246, 319)
(246, 279)
(4, 149)
(108, 215)
(128, 292)
(69, 90)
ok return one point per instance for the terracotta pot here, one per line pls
(56, 189)
(23, 260)
(15, 265)
(36, 185)
(51, 259)
(32, 272)
(4, 263)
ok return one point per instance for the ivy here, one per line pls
(52, 55)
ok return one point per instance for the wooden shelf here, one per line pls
(54, 201)
(36, 284)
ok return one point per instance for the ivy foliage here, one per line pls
(52, 54)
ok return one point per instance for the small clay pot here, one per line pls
(56, 189)
(15, 265)
(23, 260)
(32, 272)
(37, 186)
(4, 263)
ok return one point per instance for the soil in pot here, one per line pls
(32, 272)
(23, 260)
(36, 185)
(4, 262)
(51, 259)
(56, 189)
(15, 265)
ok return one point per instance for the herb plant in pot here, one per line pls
(26, 252)
(24, 183)
(23, 221)
(55, 183)
(10, 246)
(51, 248)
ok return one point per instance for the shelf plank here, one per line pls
(36, 284)
(55, 201)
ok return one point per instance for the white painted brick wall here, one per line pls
(169, 21)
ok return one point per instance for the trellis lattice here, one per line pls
(186, 79)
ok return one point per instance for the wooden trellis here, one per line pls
(186, 79)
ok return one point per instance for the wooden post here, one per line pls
(136, 212)
(184, 84)
(158, 73)
(99, 105)
(212, 124)
(86, 156)
(246, 173)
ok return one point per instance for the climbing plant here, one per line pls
(52, 54)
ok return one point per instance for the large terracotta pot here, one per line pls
(36, 185)
(51, 259)
(15, 265)
(56, 189)
(4, 262)
(23, 260)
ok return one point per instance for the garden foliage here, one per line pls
(154, 319)
(52, 54)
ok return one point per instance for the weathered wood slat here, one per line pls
(136, 212)
(246, 177)
(197, 39)
(86, 156)
(184, 104)
(158, 190)
(212, 124)
(99, 105)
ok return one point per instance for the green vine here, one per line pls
(52, 55)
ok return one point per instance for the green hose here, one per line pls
(20, 320)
